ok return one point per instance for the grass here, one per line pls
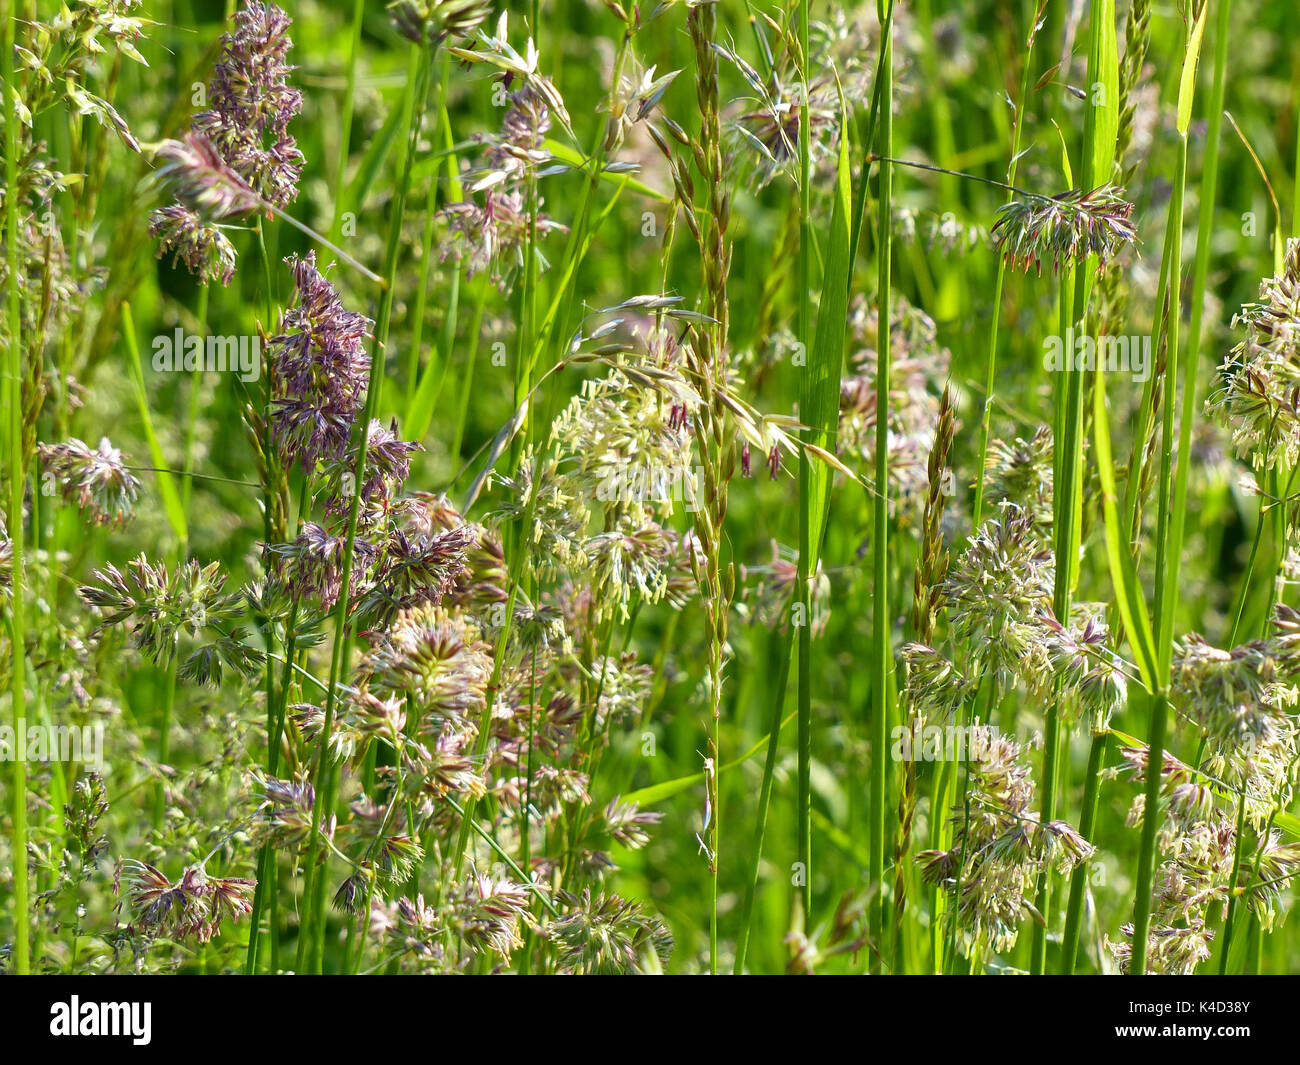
(556, 618)
(15, 475)
(881, 638)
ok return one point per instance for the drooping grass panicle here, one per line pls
(1065, 229)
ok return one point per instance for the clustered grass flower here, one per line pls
(194, 169)
(627, 824)
(484, 580)
(485, 916)
(918, 372)
(413, 571)
(193, 907)
(1021, 473)
(631, 563)
(605, 934)
(556, 787)
(412, 925)
(284, 815)
(999, 849)
(251, 103)
(935, 686)
(997, 589)
(165, 607)
(438, 662)
(997, 596)
(238, 156)
(764, 125)
(319, 367)
(624, 685)
(388, 463)
(1064, 229)
(204, 248)
(397, 857)
(1074, 648)
(83, 814)
(98, 481)
(370, 716)
(1082, 664)
(433, 771)
(490, 914)
(1238, 699)
(431, 22)
(1257, 399)
(492, 237)
(618, 463)
(1277, 864)
(1196, 843)
(311, 565)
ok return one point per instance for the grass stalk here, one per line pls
(1101, 125)
(991, 362)
(717, 584)
(345, 121)
(325, 773)
(804, 327)
(1068, 445)
(1167, 561)
(179, 524)
(1079, 877)
(881, 646)
(17, 477)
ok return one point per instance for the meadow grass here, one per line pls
(656, 535)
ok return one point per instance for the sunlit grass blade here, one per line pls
(819, 393)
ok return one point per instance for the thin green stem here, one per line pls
(269, 489)
(1166, 581)
(1079, 877)
(881, 649)
(804, 326)
(990, 380)
(345, 121)
(1229, 923)
(1068, 452)
(16, 479)
(325, 773)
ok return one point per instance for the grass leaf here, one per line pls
(1187, 83)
